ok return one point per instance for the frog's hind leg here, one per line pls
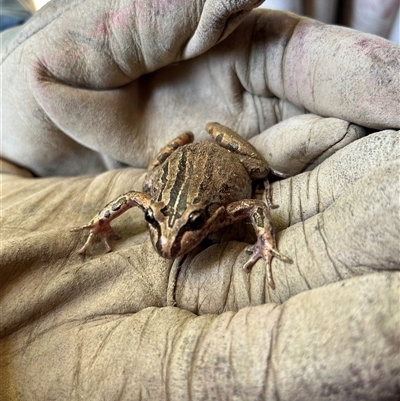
(231, 140)
(163, 154)
(252, 160)
(166, 151)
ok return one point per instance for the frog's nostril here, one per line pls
(165, 248)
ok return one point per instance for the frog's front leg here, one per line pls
(265, 246)
(100, 224)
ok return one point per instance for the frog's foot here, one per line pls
(96, 229)
(260, 250)
(264, 249)
(100, 224)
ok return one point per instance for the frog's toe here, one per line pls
(280, 256)
(261, 250)
(81, 228)
(250, 263)
(82, 250)
(259, 254)
(256, 253)
(105, 234)
(87, 243)
(269, 203)
(108, 247)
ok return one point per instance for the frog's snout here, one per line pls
(179, 246)
(164, 248)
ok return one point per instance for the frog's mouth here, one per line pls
(171, 242)
(183, 243)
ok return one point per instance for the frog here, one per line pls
(193, 189)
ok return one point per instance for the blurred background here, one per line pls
(380, 17)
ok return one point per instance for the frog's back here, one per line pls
(203, 173)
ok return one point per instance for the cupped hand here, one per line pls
(131, 325)
(108, 84)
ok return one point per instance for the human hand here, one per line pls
(111, 83)
(130, 324)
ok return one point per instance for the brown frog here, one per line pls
(193, 189)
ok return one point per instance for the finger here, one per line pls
(307, 194)
(9, 168)
(327, 333)
(358, 234)
(256, 353)
(328, 70)
(302, 142)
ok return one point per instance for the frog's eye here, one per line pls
(149, 217)
(196, 219)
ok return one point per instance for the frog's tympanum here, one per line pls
(193, 189)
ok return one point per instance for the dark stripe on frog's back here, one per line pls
(188, 168)
(179, 167)
(172, 170)
(193, 168)
(179, 192)
(164, 180)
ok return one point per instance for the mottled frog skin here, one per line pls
(193, 189)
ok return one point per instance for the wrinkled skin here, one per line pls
(89, 88)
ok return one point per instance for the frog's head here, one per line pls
(172, 233)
